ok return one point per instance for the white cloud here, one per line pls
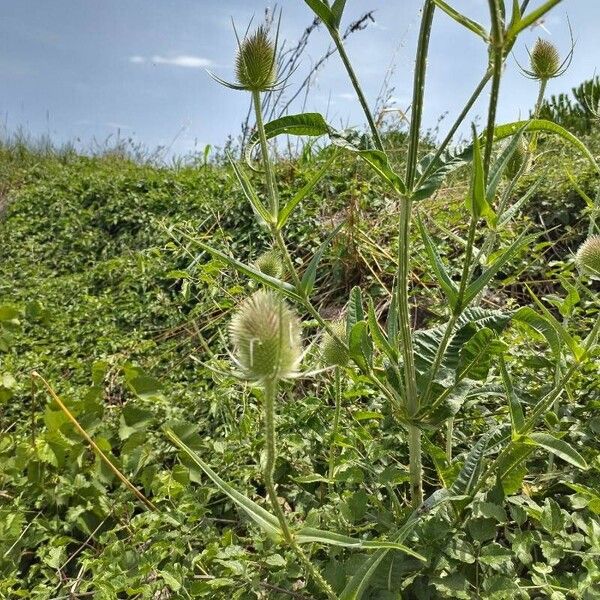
(137, 60)
(180, 60)
(347, 96)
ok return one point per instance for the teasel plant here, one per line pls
(423, 375)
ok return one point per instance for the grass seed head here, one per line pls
(332, 352)
(255, 63)
(588, 256)
(265, 334)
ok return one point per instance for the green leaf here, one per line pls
(517, 417)
(476, 201)
(500, 165)
(310, 535)
(461, 19)
(527, 316)
(143, 385)
(271, 282)
(308, 278)
(503, 131)
(287, 210)
(476, 355)
(361, 346)
(258, 514)
(509, 213)
(530, 19)
(323, 12)
(377, 334)
(337, 9)
(476, 286)
(558, 447)
(264, 216)
(355, 312)
(437, 266)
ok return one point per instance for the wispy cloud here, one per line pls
(181, 60)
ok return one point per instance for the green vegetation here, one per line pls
(438, 439)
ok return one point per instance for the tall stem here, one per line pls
(336, 420)
(270, 389)
(264, 151)
(339, 44)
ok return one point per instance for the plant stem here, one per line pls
(336, 420)
(264, 151)
(270, 389)
(339, 44)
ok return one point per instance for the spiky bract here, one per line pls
(265, 334)
(255, 63)
(588, 256)
(332, 352)
(270, 264)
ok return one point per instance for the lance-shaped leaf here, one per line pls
(337, 10)
(253, 273)
(286, 211)
(377, 334)
(461, 19)
(517, 417)
(476, 200)
(322, 10)
(558, 447)
(355, 312)
(508, 214)
(524, 22)
(527, 316)
(437, 266)
(476, 286)
(504, 131)
(260, 210)
(361, 346)
(258, 514)
(476, 355)
(310, 535)
(308, 279)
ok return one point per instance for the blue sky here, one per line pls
(87, 69)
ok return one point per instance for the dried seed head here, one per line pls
(588, 256)
(515, 162)
(265, 334)
(544, 60)
(332, 352)
(270, 264)
(255, 63)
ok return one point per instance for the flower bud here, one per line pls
(332, 352)
(588, 256)
(265, 334)
(545, 60)
(515, 162)
(255, 63)
(270, 264)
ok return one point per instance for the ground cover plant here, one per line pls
(199, 400)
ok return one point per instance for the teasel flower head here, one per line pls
(588, 256)
(544, 61)
(270, 264)
(266, 337)
(255, 62)
(334, 354)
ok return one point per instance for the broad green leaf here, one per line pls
(503, 131)
(477, 286)
(361, 346)
(476, 355)
(558, 447)
(437, 266)
(461, 19)
(527, 316)
(258, 514)
(252, 272)
(308, 278)
(258, 207)
(377, 334)
(355, 312)
(337, 10)
(309, 535)
(287, 210)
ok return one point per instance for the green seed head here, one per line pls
(545, 60)
(332, 352)
(588, 256)
(265, 334)
(270, 264)
(515, 162)
(255, 63)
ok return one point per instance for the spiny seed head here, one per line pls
(588, 256)
(270, 264)
(332, 352)
(515, 162)
(255, 63)
(265, 334)
(545, 60)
